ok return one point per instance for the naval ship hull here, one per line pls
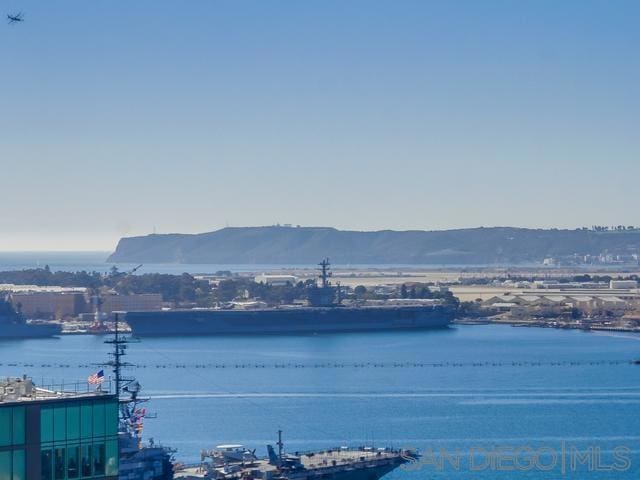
(24, 330)
(280, 321)
(373, 472)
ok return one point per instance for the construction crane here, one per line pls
(100, 317)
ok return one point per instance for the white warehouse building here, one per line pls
(623, 284)
(276, 280)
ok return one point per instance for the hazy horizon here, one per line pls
(123, 118)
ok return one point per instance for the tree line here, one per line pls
(185, 289)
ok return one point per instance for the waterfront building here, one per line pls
(47, 305)
(276, 280)
(142, 302)
(73, 304)
(55, 435)
(623, 284)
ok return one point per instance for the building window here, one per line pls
(12, 465)
(85, 462)
(18, 426)
(5, 465)
(98, 419)
(86, 414)
(46, 460)
(60, 423)
(111, 414)
(59, 466)
(111, 467)
(73, 422)
(46, 424)
(73, 454)
(11, 426)
(98, 459)
(5, 426)
(19, 465)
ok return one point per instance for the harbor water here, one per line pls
(566, 401)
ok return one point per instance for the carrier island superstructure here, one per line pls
(324, 313)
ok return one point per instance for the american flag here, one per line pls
(97, 378)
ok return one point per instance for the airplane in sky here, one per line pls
(15, 18)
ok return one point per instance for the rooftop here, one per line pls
(22, 389)
(10, 287)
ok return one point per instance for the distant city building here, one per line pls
(276, 280)
(249, 305)
(545, 305)
(144, 302)
(49, 435)
(504, 306)
(72, 304)
(555, 285)
(411, 301)
(623, 284)
(10, 287)
(47, 305)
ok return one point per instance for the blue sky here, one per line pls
(117, 117)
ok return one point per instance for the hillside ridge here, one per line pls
(307, 245)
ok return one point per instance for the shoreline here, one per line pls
(557, 324)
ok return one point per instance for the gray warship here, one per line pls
(14, 325)
(324, 314)
(235, 462)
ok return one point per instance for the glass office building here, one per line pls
(12, 443)
(57, 436)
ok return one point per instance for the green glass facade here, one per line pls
(12, 443)
(67, 439)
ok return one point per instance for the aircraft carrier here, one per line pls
(325, 314)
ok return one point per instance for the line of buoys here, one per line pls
(332, 365)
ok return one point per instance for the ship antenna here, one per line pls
(117, 355)
(280, 445)
(119, 343)
(119, 346)
(324, 264)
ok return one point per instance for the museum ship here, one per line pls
(235, 462)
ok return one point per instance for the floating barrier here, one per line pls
(332, 365)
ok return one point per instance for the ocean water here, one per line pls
(96, 261)
(471, 392)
